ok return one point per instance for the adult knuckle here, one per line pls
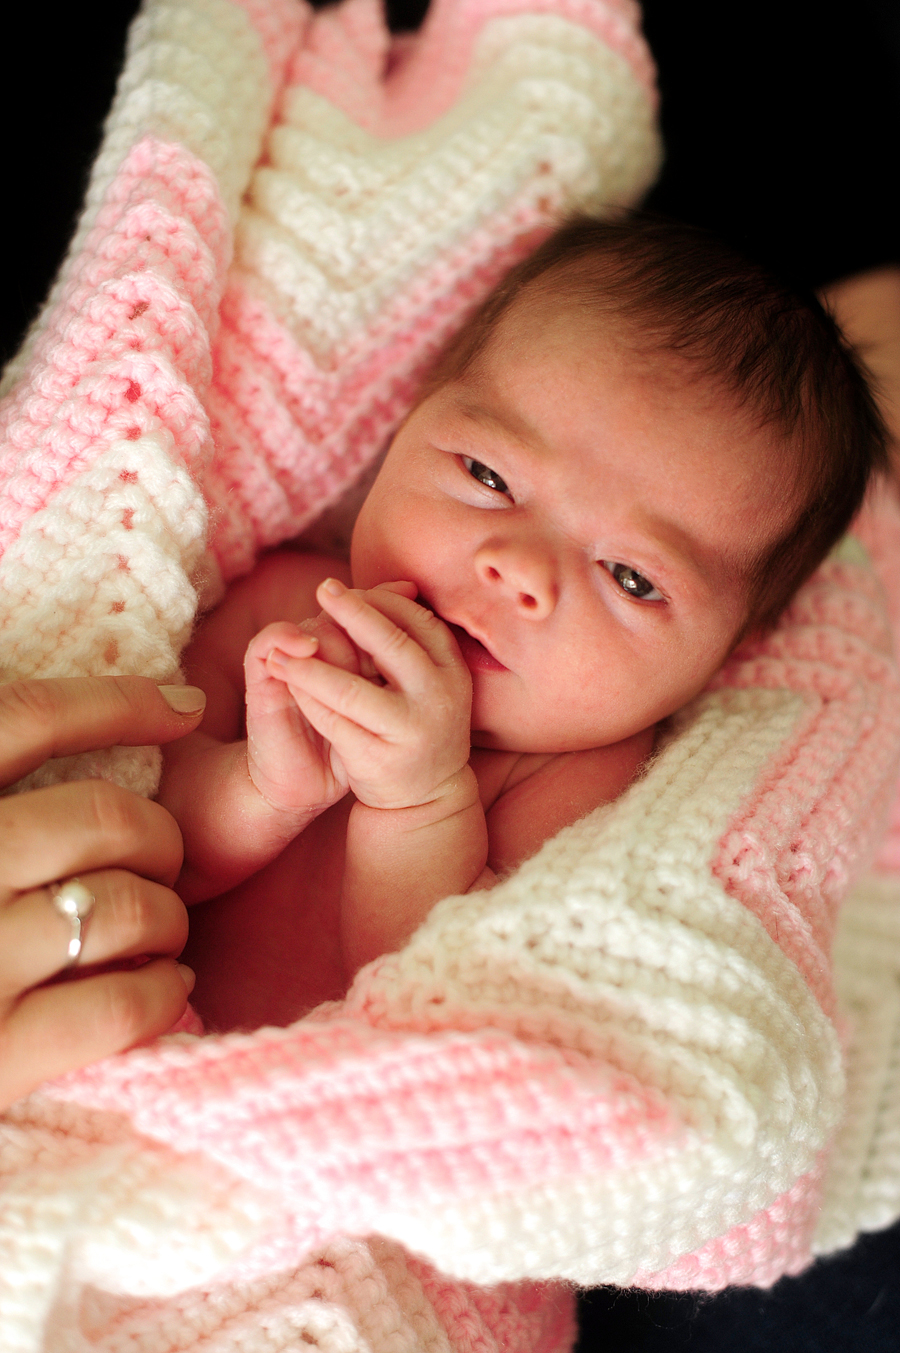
(122, 1009)
(7, 1053)
(131, 909)
(30, 705)
(124, 695)
(112, 812)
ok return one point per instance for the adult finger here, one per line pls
(80, 826)
(58, 1028)
(131, 917)
(57, 717)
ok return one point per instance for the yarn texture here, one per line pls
(665, 1051)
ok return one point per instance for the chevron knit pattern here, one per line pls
(625, 1063)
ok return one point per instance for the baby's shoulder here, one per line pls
(529, 797)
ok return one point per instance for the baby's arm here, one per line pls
(230, 827)
(417, 831)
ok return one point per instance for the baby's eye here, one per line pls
(632, 582)
(484, 474)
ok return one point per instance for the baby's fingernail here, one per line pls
(333, 587)
(183, 699)
(187, 975)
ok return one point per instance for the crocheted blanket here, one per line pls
(644, 1058)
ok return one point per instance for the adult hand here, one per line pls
(125, 850)
(867, 307)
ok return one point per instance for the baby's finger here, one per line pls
(402, 589)
(352, 697)
(349, 742)
(334, 645)
(280, 637)
(57, 1028)
(130, 917)
(405, 640)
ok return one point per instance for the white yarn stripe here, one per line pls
(85, 593)
(195, 73)
(318, 1306)
(862, 1187)
(620, 921)
(336, 225)
(107, 1210)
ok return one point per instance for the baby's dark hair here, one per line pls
(777, 351)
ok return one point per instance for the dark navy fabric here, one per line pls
(849, 1303)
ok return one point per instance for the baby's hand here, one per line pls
(288, 761)
(399, 736)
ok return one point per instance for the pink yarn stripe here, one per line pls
(394, 89)
(127, 347)
(878, 527)
(280, 26)
(453, 1115)
(778, 1241)
(521, 1317)
(291, 435)
(833, 772)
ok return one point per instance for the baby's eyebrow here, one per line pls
(510, 427)
(710, 563)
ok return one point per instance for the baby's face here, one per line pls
(584, 520)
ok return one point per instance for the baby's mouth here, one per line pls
(476, 657)
(474, 654)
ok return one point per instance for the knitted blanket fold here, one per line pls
(631, 1062)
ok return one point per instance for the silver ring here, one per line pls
(74, 902)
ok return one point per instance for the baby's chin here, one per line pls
(486, 740)
(496, 742)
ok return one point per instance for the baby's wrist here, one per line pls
(462, 784)
(454, 794)
(291, 819)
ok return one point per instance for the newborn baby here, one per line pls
(627, 462)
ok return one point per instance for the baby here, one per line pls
(627, 462)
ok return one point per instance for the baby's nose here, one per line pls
(523, 573)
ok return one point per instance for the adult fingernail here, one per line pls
(333, 587)
(184, 699)
(187, 975)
